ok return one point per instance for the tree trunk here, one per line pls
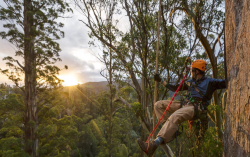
(30, 117)
(143, 109)
(237, 111)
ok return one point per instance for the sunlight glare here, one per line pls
(69, 80)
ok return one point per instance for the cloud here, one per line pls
(76, 53)
(89, 76)
(74, 63)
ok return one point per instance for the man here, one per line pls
(199, 90)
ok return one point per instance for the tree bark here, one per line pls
(237, 111)
(30, 117)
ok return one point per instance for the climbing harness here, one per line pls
(200, 105)
(200, 114)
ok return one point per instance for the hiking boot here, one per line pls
(144, 146)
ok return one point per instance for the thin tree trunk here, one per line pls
(111, 101)
(143, 109)
(156, 63)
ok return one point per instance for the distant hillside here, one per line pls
(96, 86)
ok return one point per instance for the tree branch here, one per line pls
(205, 43)
(116, 110)
(20, 65)
(211, 116)
(123, 101)
(175, 9)
(121, 57)
(221, 33)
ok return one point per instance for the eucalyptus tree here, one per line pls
(208, 20)
(237, 117)
(32, 27)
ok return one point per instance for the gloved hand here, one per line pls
(188, 59)
(157, 78)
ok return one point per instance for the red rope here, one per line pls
(165, 111)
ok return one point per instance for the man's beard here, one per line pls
(193, 77)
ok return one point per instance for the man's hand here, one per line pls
(188, 59)
(157, 78)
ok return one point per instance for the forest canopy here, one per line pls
(41, 117)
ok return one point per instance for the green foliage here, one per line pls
(11, 146)
(66, 127)
(210, 146)
(56, 135)
(186, 146)
(11, 125)
(136, 108)
(122, 151)
(95, 129)
(12, 153)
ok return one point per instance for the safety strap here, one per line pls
(199, 91)
(195, 86)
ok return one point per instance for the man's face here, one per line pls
(193, 73)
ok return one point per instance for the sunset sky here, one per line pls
(76, 53)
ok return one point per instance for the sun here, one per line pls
(69, 80)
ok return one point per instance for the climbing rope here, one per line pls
(190, 40)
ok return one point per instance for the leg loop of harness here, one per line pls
(201, 124)
(200, 110)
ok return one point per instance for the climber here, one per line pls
(199, 89)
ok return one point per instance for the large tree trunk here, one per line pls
(237, 111)
(30, 117)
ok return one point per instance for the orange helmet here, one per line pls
(199, 64)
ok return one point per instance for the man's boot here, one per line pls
(149, 149)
